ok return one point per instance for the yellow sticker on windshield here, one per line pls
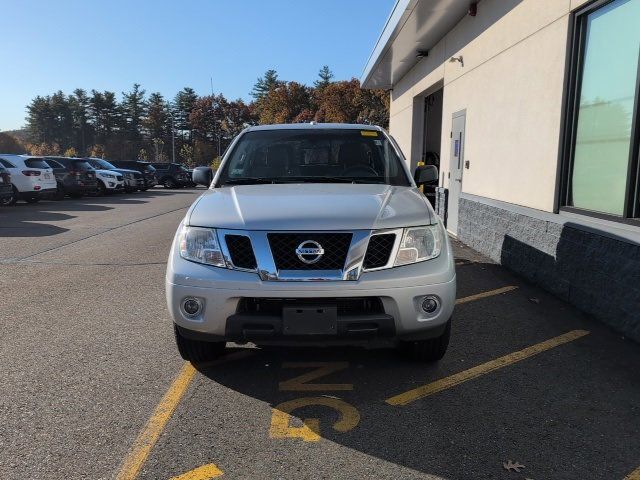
(368, 133)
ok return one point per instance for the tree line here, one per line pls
(198, 128)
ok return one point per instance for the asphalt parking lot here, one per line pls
(92, 385)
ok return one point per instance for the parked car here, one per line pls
(145, 168)
(133, 180)
(312, 234)
(6, 189)
(31, 178)
(172, 175)
(74, 176)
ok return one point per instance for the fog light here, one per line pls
(430, 304)
(192, 306)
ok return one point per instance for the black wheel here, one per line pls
(59, 195)
(8, 201)
(197, 351)
(102, 189)
(32, 199)
(169, 183)
(430, 350)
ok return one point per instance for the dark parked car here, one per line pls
(6, 190)
(74, 176)
(145, 168)
(173, 175)
(133, 180)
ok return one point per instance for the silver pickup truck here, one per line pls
(312, 234)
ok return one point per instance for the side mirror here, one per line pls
(425, 174)
(202, 176)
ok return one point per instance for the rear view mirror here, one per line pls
(203, 176)
(426, 174)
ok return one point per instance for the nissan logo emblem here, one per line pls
(309, 252)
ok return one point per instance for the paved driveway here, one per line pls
(92, 386)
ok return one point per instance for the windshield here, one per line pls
(313, 156)
(102, 164)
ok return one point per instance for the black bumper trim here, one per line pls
(248, 327)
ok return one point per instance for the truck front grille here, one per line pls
(379, 250)
(335, 246)
(241, 251)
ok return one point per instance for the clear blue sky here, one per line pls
(166, 45)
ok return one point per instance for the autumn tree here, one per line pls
(10, 144)
(288, 102)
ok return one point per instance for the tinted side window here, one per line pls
(82, 166)
(53, 163)
(36, 163)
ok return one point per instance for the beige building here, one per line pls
(530, 110)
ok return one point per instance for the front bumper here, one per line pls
(401, 291)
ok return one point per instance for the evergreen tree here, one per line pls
(183, 105)
(39, 120)
(82, 134)
(156, 122)
(265, 84)
(133, 109)
(325, 78)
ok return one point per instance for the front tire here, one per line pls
(197, 351)
(429, 350)
(102, 189)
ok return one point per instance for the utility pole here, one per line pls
(216, 132)
(173, 139)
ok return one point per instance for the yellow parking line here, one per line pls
(489, 293)
(635, 475)
(205, 472)
(458, 378)
(149, 435)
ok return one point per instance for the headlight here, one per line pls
(129, 175)
(201, 245)
(419, 244)
(108, 175)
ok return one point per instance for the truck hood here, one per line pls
(311, 207)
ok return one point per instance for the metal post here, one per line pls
(173, 140)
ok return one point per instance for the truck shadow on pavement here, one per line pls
(564, 413)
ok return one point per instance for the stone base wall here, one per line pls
(597, 273)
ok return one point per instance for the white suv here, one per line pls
(32, 178)
(312, 234)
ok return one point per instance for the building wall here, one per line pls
(511, 86)
(593, 268)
